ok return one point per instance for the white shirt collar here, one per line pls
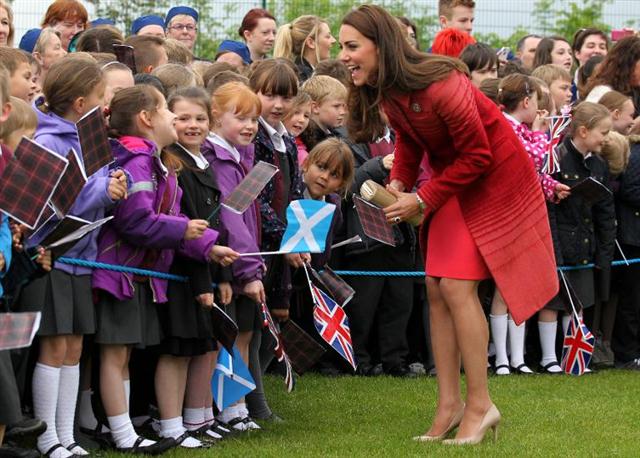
(218, 140)
(276, 135)
(199, 159)
(511, 118)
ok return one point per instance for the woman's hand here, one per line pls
(297, 260)
(255, 291)
(562, 191)
(406, 206)
(225, 293)
(195, 229)
(205, 300)
(117, 185)
(397, 185)
(222, 255)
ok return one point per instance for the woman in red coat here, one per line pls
(483, 203)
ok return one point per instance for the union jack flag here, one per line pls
(556, 127)
(332, 324)
(278, 351)
(577, 348)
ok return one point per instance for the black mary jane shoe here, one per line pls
(180, 439)
(56, 447)
(546, 367)
(156, 448)
(520, 370)
(501, 366)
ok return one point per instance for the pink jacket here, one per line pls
(537, 144)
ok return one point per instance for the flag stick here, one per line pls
(353, 239)
(213, 213)
(264, 253)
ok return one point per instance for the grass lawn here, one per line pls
(593, 415)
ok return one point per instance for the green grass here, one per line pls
(593, 415)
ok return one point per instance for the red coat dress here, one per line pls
(474, 154)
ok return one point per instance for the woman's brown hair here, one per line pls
(616, 70)
(74, 76)
(400, 68)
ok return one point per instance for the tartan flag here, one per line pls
(332, 324)
(18, 329)
(308, 224)
(224, 328)
(72, 182)
(278, 351)
(29, 180)
(374, 222)
(94, 141)
(339, 289)
(303, 350)
(231, 379)
(250, 187)
(577, 347)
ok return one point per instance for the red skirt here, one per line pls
(451, 251)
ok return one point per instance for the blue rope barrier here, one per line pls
(116, 268)
(372, 273)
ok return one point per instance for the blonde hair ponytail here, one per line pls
(291, 38)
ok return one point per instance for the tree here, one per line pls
(566, 21)
(333, 11)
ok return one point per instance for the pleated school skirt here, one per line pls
(65, 301)
(133, 321)
(9, 397)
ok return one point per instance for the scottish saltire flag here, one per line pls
(308, 224)
(578, 347)
(231, 379)
(332, 324)
(278, 350)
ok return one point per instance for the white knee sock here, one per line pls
(172, 427)
(127, 391)
(499, 337)
(516, 343)
(123, 433)
(548, 341)
(66, 408)
(193, 418)
(46, 382)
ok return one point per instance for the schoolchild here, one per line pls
(146, 231)
(583, 230)
(229, 151)
(73, 87)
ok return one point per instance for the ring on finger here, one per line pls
(397, 219)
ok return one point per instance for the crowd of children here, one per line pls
(128, 358)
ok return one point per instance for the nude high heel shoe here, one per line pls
(455, 422)
(491, 420)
